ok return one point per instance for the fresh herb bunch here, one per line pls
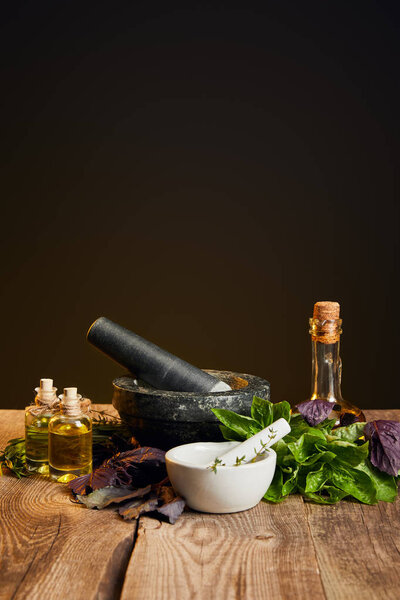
(110, 435)
(323, 464)
(13, 457)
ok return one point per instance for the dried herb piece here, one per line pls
(134, 509)
(315, 411)
(384, 444)
(137, 475)
(172, 510)
(109, 495)
(163, 500)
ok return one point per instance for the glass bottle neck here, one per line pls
(326, 372)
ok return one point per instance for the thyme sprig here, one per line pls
(240, 460)
(217, 463)
(264, 445)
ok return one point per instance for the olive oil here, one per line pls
(325, 330)
(37, 417)
(70, 439)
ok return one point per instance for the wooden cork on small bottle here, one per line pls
(326, 322)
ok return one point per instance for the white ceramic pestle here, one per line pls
(256, 444)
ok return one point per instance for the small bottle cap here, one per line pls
(326, 310)
(46, 385)
(70, 393)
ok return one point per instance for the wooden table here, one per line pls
(51, 548)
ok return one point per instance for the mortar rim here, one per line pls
(253, 382)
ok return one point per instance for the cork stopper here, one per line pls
(326, 310)
(325, 325)
(46, 397)
(71, 401)
(46, 385)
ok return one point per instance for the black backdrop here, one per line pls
(201, 172)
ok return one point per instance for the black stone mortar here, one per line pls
(166, 419)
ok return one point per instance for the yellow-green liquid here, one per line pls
(70, 448)
(36, 442)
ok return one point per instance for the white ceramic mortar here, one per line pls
(229, 489)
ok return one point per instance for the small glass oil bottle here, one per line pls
(37, 417)
(325, 330)
(70, 439)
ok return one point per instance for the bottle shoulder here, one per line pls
(70, 425)
(40, 420)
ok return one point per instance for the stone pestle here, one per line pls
(148, 362)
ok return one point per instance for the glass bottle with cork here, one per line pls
(325, 330)
(37, 417)
(70, 438)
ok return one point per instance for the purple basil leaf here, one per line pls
(173, 509)
(315, 411)
(101, 477)
(138, 467)
(347, 419)
(384, 445)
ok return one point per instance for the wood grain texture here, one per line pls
(358, 549)
(358, 546)
(253, 554)
(53, 549)
(11, 425)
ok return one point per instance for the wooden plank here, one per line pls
(11, 425)
(272, 551)
(254, 554)
(388, 413)
(358, 546)
(358, 549)
(51, 548)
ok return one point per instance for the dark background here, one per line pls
(201, 173)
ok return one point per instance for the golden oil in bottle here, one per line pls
(325, 330)
(37, 417)
(70, 439)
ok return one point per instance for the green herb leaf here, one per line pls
(385, 485)
(327, 425)
(290, 481)
(348, 452)
(351, 433)
(230, 435)
(274, 492)
(281, 410)
(324, 464)
(328, 495)
(13, 458)
(354, 482)
(305, 447)
(316, 479)
(262, 411)
(243, 426)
